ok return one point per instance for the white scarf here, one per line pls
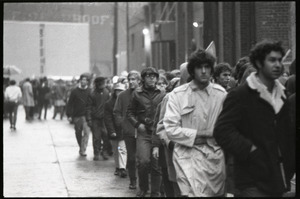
(273, 98)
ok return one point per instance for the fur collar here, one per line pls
(274, 98)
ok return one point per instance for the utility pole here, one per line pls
(115, 45)
(127, 35)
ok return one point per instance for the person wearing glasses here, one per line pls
(140, 113)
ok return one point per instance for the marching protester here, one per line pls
(222, 75)
(115, 133)
(28, 99)
(44, 93)
(95, 117)
(12, 97)
(59, 96)
(129, 132)
(76, 109)
(162, 146)
(140, 113)
(254, 126)
(191, 112)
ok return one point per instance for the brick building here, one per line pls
(177, 28)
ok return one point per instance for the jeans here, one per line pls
(131, 156)
(120, 153)
(12, 109)
(80, 126)
(99, 132)
(253, 192)
(146, 162)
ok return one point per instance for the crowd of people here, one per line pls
(203, 130)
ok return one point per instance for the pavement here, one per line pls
(41, 159)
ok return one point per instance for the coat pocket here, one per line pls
(187, 116)
(258, 165)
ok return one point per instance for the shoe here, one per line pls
(105, 156)
(123, 173)
(96, 158)
(155, 195)
(117, 172)
(132, 184)
(82, 153)
(141, 193)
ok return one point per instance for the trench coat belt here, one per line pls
(200, 141)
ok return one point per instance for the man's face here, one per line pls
(150, 80)
(133, 82)
(271, 68)
(101, 85)
(161, 85)
(202, 73)
(83, 81)
(224, 78)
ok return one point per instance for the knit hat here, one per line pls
(149, 70)
(99, 79)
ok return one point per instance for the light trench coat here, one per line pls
(200, 169)
(28, 99)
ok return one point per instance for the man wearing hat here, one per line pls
(95, 116)
(140, 113)
(76, 109)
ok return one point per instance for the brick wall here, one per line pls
(273, 21)
(247, 27)
(228, 32)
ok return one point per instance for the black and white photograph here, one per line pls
(149, 99)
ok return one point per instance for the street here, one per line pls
(41, 159)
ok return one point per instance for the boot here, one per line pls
(132, 184)
(155, 186)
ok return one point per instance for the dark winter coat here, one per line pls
(109, 119)
(120, 110)
(247, 119)
(95, 104)
(76, 106)
(143, 107)
(42, 91)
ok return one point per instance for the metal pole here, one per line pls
(127, 36)
(115, 45)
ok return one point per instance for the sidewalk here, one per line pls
(41, 159)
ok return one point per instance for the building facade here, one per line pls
(178, 28)
(99, 16)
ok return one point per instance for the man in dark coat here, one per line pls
(255, 127)
(120, 109)
(42, 99)
(140, 113)
(95, 117)
(76, 108)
